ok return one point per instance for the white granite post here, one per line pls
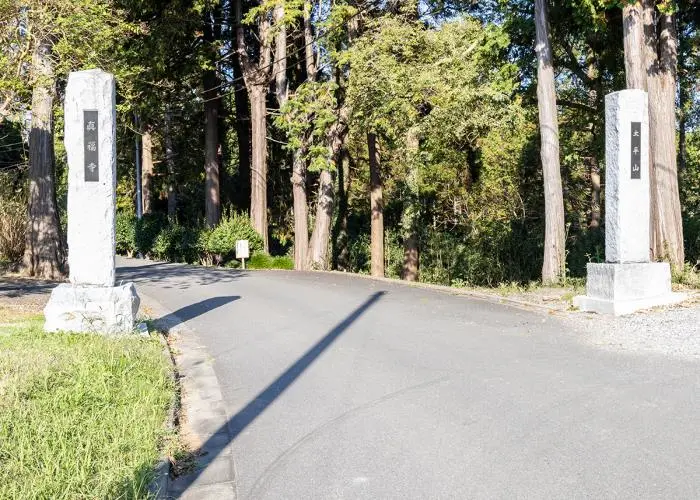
(91, 302)
(627, 281)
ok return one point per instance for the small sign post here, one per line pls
(242, 251)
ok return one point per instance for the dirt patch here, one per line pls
(24, 295)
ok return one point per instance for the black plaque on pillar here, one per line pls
(636, 145)
(91, 152)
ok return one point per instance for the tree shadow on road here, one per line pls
(178, 276)
(191, 311)
(241, 420)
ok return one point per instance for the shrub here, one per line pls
(147, 230)
(175, 243)
(13, 225)
(126, 233)
(219, 244)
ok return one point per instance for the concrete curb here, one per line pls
(203, 409)
(159, 486)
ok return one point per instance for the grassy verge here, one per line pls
(81, 416)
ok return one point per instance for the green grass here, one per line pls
(81, 416)
(688, 276)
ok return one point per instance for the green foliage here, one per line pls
(689, 180)
(147, 230)
(176, 243)
(307, 118)
(125, 233)
(13, 224)
(688, 275)
(262, 260)
(221, 240)
(81, 416)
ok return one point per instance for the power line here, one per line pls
(275, 61)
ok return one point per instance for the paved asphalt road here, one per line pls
(342, 387)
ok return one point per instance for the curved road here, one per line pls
(343, 387)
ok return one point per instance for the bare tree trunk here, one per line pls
(554, 265)
(318, 245)
(633, 39)
(301, 224)
(257, 78)
(170, 162)
(243, 133)
(377, 208)
(258, 171)
(341, 253)
(595, 193)
(301, 217)
(666, 222)
(43, 253)
(212, 204)
(595, 94)
(147, 170)
(685, 87)
(279, 69)
(309, 57)
(411, 210)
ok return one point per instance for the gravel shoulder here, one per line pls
(673, 331)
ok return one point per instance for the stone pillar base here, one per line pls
(95, 309)
(625, 288)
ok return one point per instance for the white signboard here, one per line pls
(242, 249)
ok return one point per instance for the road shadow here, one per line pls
(13, 287)
(178, 276)
(173, 319)
(241, 420)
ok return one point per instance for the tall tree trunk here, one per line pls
(147, 170)
(279, 68)
(411, 210)
(595, 192)
(301, 228)
(685, 86)
(243, 133)
(377, 208)
(170, 162)
(43, 253)
(595, 95)
(309, 57)
(257, 79)
(660, 57)
(212, 101)
(633, 40)
(258, 171)
(341, 252)
(553, 267)
(301, 217)
(318, 245)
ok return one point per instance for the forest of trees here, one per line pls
(459, 143)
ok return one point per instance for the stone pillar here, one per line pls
(91, 302)
(627, 281)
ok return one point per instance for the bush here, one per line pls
(126, 233)
(13, 225)
(147, 230)
(262, 260)
(219, 244)
(176, 243)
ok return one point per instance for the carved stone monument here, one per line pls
(91, 302)
(627, 281)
